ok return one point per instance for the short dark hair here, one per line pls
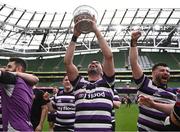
(96, 60)
(159, 64)
(19, 61)
(65, 76)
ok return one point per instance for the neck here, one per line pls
(159, 84)
(155, 82)
(94, 77)
(67, 90)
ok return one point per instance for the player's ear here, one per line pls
(19, 69)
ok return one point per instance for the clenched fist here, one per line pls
(134, 37)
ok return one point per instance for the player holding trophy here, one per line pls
(94, 95)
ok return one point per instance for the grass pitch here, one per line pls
(126, 118)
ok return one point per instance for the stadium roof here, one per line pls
(32, 34)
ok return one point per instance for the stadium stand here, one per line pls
(120, 58)
(3, 62)
(164, 57)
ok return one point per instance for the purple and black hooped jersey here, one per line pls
(93, 102)
(151, 119)
(64, 104)
(115, 98)
(16, 106)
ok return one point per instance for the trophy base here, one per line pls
(84, 26)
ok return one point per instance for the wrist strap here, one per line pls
(132, 41)
(74, 38)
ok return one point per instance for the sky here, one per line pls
(70, 5)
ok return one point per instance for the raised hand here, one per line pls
(76, 32)
(135, 35)
(145, 100)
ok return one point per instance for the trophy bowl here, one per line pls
(82, 16)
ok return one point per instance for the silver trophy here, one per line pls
(82, 16)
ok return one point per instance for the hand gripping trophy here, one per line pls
(83, 15)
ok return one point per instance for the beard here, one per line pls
(161, 81)
(93, 72)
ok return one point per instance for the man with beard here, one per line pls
(151, 119)
(94, 96)
(16, 96)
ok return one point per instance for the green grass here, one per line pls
(126, 118)
(174, 84)
(45, 128)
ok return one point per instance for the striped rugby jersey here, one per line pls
(63, 102)
(93, 102)
(151, 119)
(115, 98)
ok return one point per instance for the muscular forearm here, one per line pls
(29, 78)
(42, 119)
(43, 115)
(108, 61)
(103, 45)
(133, 53)
(166, 108)
(133, 56)
(68, 59)
(71, 69)
(149, 102)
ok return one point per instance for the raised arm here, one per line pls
(10, 77)
(71, 69)
(133, 55)
(108, 62)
